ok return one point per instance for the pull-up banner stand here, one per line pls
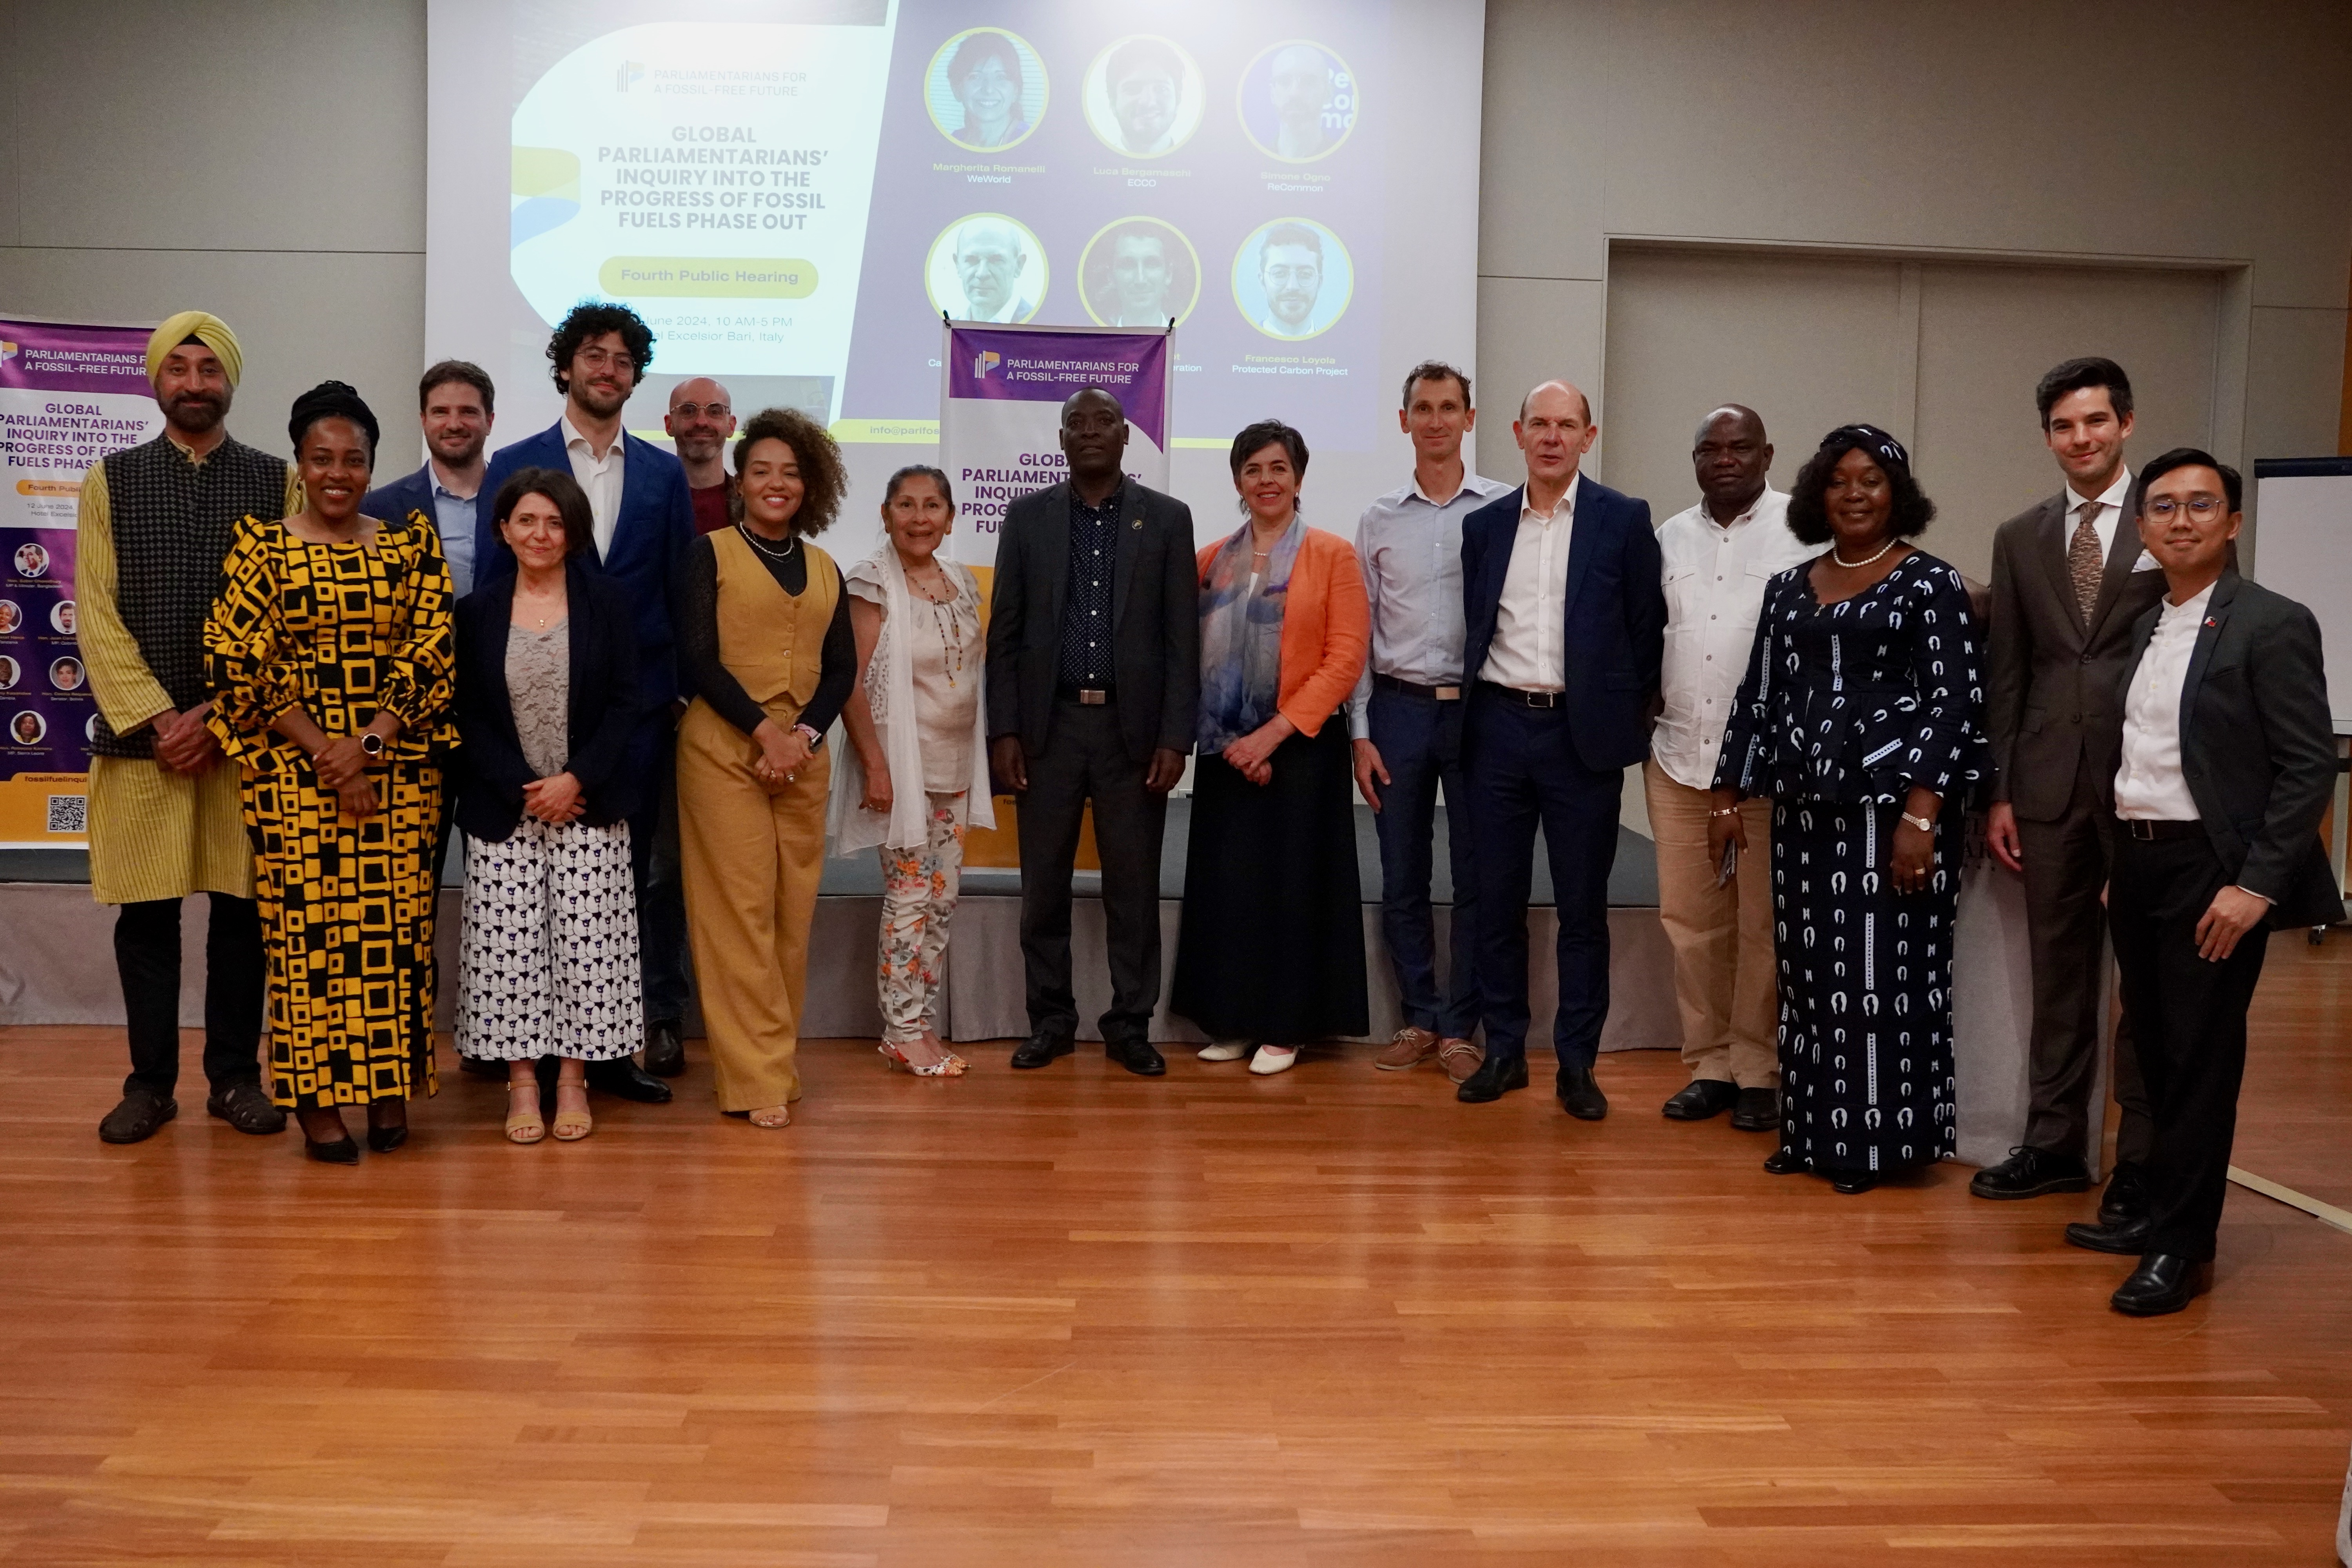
(1001, 396)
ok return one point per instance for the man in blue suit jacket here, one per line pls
(645, 519)
(1565, 630)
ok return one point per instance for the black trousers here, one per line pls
(2067, 861)
(1085, 760)
(147, 954)
(2191, 1014)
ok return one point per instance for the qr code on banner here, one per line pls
(68, 813)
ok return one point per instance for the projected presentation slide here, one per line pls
(794, 205)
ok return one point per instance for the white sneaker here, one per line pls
(1224, 1050)
(1272, 1059)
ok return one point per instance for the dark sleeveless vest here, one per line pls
(174, 523)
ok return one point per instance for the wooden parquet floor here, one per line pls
(1075, 1318)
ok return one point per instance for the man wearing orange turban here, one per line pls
(156, 521)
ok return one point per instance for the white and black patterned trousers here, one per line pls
(550, 953)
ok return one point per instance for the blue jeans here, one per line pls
(1523, 770)
(1420, 743)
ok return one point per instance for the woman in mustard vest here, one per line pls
(764, 642)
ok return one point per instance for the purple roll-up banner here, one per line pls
(70, 394)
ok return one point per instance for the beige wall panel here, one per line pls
(1809, 344)
(301, 317)
(1987, 334)
(1529, 331)
(266, 124)
(1542, 168)
(2296, 372)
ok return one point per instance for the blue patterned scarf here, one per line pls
(1240, 636)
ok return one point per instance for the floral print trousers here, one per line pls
(919, 897)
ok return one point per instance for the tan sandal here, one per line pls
(771, 1116)
(524, 1127)
(572, 1122)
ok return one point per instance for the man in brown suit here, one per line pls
(2064, 595)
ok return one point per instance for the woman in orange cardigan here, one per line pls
(1271, 950)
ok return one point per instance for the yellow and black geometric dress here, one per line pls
(342, 631)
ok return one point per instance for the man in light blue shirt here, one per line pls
(1406, 717)
(457, 405)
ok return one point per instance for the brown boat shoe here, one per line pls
(1460, 1058)
(1410, 1049)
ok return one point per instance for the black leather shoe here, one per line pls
(2127, 1240)
(625, 1079)
(482, 1066)
(1581, 1096)
(1783, 1163)
(1853, 1181)
(2126, 1198)
(2031, 1174)
(1759, 1110)
(664, 1050)
(1140, 1057)
(1702, 1100)
(1496, 1075)
(244, 1106)
(384, 1140)
(2164, 1282)
(139, 1117)
(343, 1150)
(1042, 1048)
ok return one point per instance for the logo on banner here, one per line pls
(9, 350)
(986, 361)
(627, 74)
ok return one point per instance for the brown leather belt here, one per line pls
(1085, 696)
(1413, 688)
(2152, 832)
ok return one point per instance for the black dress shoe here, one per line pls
(2164, 1282)
(343, 1150)
(1759, 1110)
(139, 1116)
(2127, 1240)
(2126, 1198)
(482, 1066)
(1042, 1048)
(244, 1106)
(1783, 1163)
(1853, 1181)
(1702, 1100)
(1496, 1075)
(384, 1140)
(1581, 1096)
(1140, 1057)
(664, 1050)
(2031, 1174)
(625, 1079)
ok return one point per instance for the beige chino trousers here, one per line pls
(1722, 936)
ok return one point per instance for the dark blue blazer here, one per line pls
(649, 541)
(410, 492)
(1615, 640)
(605, 705)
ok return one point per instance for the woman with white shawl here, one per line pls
(915, 774)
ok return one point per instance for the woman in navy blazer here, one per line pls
(550, 695)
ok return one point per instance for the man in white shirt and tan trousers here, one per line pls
(1716, 558)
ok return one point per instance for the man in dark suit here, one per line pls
(2064, 595)
(645, 519)
(2227, 761)
(1565, 622)
(1094, 659)
(457, 405)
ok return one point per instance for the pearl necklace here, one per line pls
(1851, 565)
(765, 549)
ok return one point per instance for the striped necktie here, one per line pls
(2082, 561)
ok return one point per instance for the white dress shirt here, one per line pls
(2110, 502)
(1410, 546)
(2150, 787)
(1532, 618)
(1714, 577)
(601, 478)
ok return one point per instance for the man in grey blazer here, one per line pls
(2227, 760)
(1094, 675)
(2064, 595)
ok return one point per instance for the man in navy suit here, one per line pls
(1565, 623)
(644, 514)
(457, 405)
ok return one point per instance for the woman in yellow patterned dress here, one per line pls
(329, 651)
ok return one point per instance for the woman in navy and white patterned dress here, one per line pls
(1861, 715)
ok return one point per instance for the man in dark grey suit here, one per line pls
(2227, 758)
(1094, 675)
(2064, 595)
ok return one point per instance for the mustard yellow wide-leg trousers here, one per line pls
(752, 857)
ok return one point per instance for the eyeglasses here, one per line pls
(2201, 508)
(696, 410)
(598, 359)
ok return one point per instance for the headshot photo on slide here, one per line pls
(986, 267)
(11, 672)
(27, 728)
(985, 88)
(1297, 101)
(32, 560)
(12, 617)
(1144, 96)
(1292, 279)
(61, 617)
(1139, 272)
(66, 673)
